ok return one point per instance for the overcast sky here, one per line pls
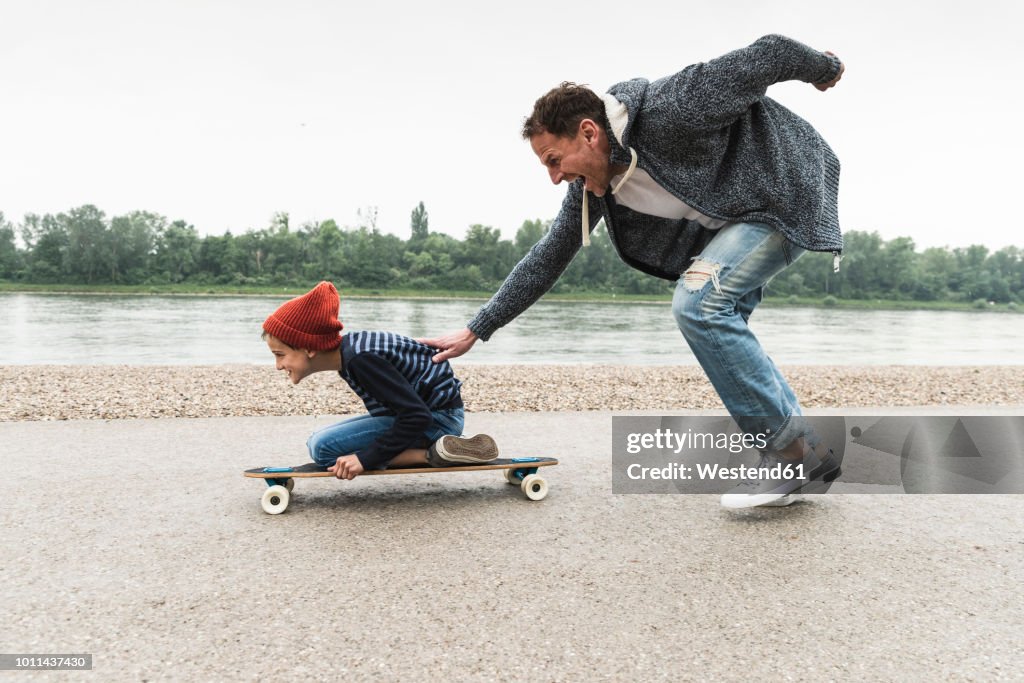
(222, 112)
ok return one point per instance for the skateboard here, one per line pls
(521, 472)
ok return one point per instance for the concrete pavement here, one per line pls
(140, 542)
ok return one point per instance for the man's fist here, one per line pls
(825, 86)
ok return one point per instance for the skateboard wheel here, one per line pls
(275, 499)
(512, 477)
(534, 486)
(289, 484)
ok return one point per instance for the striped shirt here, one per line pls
(434, 383)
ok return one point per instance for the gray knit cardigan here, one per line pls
(711, 137)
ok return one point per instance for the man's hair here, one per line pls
(561, 109)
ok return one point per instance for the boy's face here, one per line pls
(296, 362)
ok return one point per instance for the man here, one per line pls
(704, 180)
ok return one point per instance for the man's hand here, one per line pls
(825, 86)
(451, 345)
(346, 467)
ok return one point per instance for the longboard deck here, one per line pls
(314, 470)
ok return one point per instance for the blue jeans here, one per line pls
(350, 436)
(712, 304)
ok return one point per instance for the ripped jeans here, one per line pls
(712, 304)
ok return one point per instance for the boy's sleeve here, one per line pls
(412, 416)
(713, 94)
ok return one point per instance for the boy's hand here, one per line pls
(346, 467)
(451, 345)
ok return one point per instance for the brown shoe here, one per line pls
(459, 450)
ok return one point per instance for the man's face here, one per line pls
(586, 156)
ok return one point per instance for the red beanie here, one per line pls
(309, 321)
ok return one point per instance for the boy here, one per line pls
(412, 403)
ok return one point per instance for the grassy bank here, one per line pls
(230, 290)
(597, 297)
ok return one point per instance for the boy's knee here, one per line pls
(317, 452)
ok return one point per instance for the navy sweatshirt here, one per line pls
(394, 375)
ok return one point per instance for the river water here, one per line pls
(204, 330)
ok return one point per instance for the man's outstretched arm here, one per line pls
(531, 278)
(713, 94)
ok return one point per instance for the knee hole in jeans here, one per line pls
(698, 275)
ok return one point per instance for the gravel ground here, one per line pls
(51, 392)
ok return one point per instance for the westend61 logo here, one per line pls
(889, 454)
(713, 471)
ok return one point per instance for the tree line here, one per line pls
(82, 246)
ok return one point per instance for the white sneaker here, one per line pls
(787, 499)
(784, 480)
